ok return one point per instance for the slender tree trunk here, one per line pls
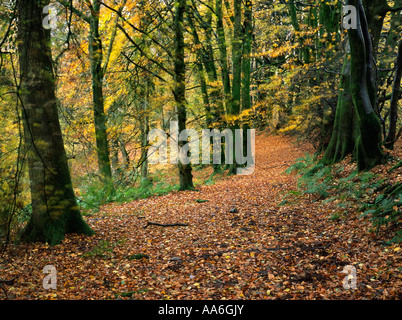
(208, 58)
(115, 157)
(393, 109)
(236, 59)
(97, 73)
(223, 55)
(304, 50)
(96, 56)
(246, 60)
(126, 157)
(185, 175)
(209, 52)
(144, 141)
(201, 73)
(54, 208)
(235, 105)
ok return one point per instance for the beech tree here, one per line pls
(54, 208)
(357, 127)
(185, 175)
(363, 89)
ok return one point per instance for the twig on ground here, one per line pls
(165, 225)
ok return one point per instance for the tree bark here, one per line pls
(96, 56)
(144, 139)
(201, 73)
(217, 109)
(236, 59)
(357, 128)
(115, 157)
(342, 138)
(185, 175)
(363, 88)
(246, 60)
(223, 55)
(393, 109)
(54, 208)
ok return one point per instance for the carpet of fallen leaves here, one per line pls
(239, 244)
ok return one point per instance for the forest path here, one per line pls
(245, 242)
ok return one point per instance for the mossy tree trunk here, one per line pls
(223, 59)
(185, 174)
(208, 59)
(363, 87)
(357, 128)
(224, 67)
(96, 57)
(201, 71)
(342, 138)
(54, 208)
(236, 58)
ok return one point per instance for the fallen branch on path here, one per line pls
(165, 225)
(287, 163)
(6, 282)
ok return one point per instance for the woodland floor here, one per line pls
(240, 244)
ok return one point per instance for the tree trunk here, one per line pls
(236, 59)
(144, 140)
(126, 157)
(201, 73)
(342, 139)
(185, 175)
(115, 157)
(223, 55)
(246, 65)
(363, 88)
(208, 59)
(304, 50)
(96, 56)
(357, 128)
(208, 51)
(54, 208)
(235, 105)
(393, 109)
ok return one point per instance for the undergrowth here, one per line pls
(366, 192)
(92, 194)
